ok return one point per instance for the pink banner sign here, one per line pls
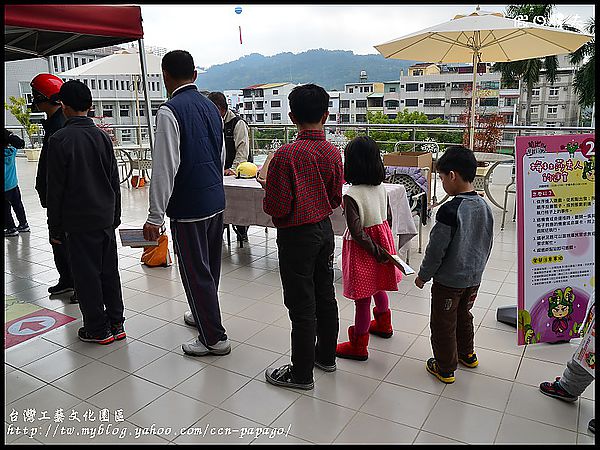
(556, 235)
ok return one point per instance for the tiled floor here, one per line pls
(388, 399)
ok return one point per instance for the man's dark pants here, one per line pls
(306, 269)
(94, 262)
(63, 266)
(451, 324)
(198, 246)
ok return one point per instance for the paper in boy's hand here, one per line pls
(262, 174)
(397, 261)
(135, 238)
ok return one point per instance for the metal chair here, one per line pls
(511, 188)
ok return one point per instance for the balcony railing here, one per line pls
(264, 137)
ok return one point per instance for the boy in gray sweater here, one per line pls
(458, 250)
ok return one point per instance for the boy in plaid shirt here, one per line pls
(303, 187)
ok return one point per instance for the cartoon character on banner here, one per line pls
(590, 359)
(571, 147)
(589, 172)
(556, 316)
(529, 335)
(560, 307)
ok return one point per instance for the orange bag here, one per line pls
(158, 256)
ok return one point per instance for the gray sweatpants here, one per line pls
(575, 378)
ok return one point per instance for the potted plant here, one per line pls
(18, 108)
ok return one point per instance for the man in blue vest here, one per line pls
(187, 186)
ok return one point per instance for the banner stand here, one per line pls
(507, 315)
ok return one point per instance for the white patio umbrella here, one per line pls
(482, 37)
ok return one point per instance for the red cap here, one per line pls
(47, 84)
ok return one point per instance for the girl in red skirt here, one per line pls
(366, 271)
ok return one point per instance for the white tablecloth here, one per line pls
(244, 206)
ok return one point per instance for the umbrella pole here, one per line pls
(473, 97)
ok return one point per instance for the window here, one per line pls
(277, 103)
(110, 82)
(62, 63)
(433, 102)
(106, 85)
(459, 101)
(535, 92)
(260, 117)
(552, 109)
(491, 101)
(107, 110)
(144, 135)
(83, 61)
(392, 104)
(461, 85)
(275, 92)
(248, 106)
(92, 112)
(332, 117)
(275, 116)
(412, 102)
(345, 118)
(392, 116)
(534, 109)
(124, 111)
(550, 124)
(511, 101)
(361, 118)
(126, 135)
(361, 103)
(69, 63)
(412, 87)
(344, 103)
(85, 81)
(56, 63)
(351, 90)
(259, 105)
(76, 62)
(490, 85)
(141, 112)
(123, 85)
(93, 83)
(330, 104)
(154, 107)
(553, 92)
(393, 89)
(435, 86)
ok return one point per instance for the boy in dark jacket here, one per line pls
(84, 208)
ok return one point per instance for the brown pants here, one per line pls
(451, 324)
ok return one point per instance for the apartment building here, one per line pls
(267, 103)
(235, 99)
(553, 105)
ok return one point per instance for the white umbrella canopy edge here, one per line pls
(482, 37)
(117, 64)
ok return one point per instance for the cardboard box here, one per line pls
(411, 159)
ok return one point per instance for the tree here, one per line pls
(585, 81)
(529, 70)
(18, 108)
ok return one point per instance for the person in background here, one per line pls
(84, 209)
(303, 187)
(12, 193)
(366, 271)
(460, 243)
(237, 145)
(187, 186)
(45, 88)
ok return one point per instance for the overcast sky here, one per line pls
(210, 32)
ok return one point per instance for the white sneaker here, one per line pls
(195, 348)
(220, 348)
(188, 318)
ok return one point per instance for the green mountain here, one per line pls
(328, 68)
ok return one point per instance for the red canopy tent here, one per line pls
(39, 31)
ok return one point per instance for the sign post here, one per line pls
(556, 236)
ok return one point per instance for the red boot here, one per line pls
(382, 325)
(356, 348)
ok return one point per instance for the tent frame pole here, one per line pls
(473, 93)
(148, 109)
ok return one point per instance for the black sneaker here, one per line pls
(11, 232)
(434, 369)
(106, 337)
(283, 377)
(73, 300)
(23, 228)
(325, 367)
(60, 288)
(118, 331)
